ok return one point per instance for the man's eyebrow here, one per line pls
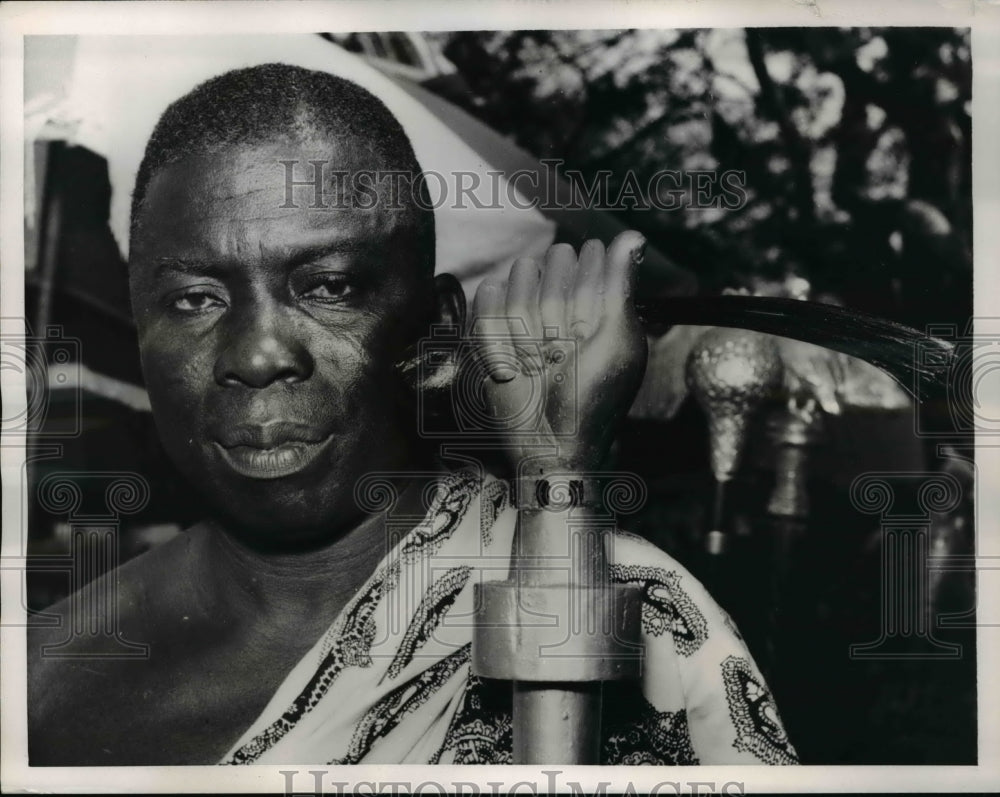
(297, 256)
(290, 256)
(194, 267)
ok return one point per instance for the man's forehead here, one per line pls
(271, 191)
(315, 171)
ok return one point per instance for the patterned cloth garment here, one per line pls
(390, 681)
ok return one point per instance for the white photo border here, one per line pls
(18, 19)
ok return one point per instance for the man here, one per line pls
(295, 623)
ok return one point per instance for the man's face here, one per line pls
(268, 335)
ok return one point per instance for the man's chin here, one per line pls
(310, 506)
(267, 530)
(283, 513)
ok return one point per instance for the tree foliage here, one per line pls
(855, 145)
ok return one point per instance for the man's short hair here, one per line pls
(271, 102)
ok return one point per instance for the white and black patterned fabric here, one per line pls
(390, 681)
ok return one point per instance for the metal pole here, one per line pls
(557, 628)
(716, 539)
(794, 431)
(557, 722)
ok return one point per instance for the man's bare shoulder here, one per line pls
(125, 591)
(96, 641)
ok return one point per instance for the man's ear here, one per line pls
(421, 369)
(450, 301)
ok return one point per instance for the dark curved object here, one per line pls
(920, 363)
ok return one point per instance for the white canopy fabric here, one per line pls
(116, 87)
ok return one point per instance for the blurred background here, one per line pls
(854, 150)
(855, 144)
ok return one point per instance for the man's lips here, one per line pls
(272, 450)
(269, 435)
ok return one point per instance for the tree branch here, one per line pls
(798, 149)
(640, 133)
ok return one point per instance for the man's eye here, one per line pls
(329, 289)
(196, 302)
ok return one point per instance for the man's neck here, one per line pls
(283, 594)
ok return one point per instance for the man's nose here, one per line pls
(264, 349)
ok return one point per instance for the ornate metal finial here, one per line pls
(793, 432)
(730, 371)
